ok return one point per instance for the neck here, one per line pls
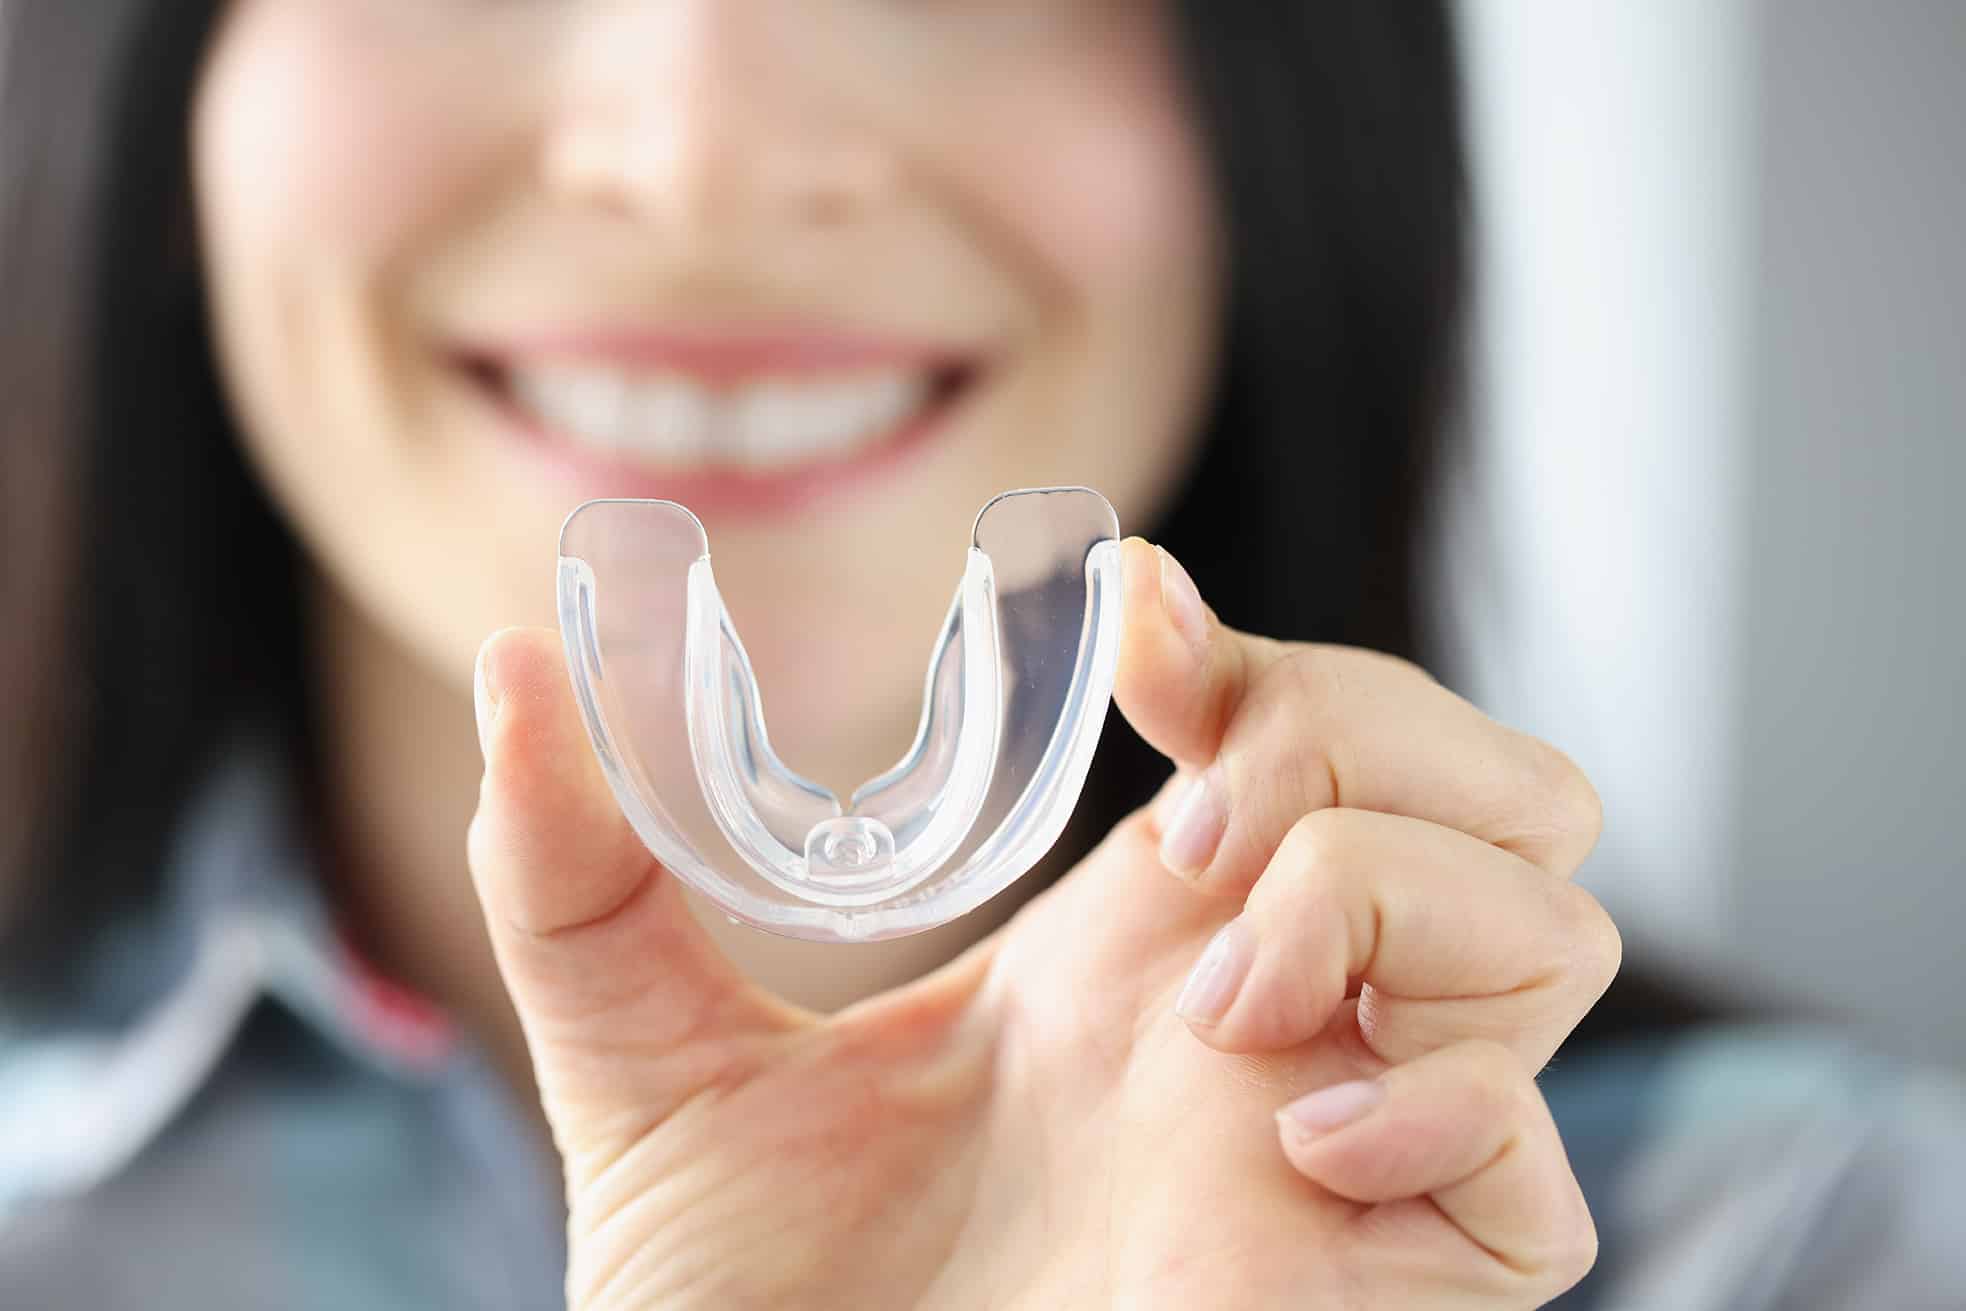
(399, 773)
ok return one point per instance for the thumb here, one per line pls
(627, 1006)
(1182, 672)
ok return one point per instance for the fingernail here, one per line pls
(1217, 977)
(1189, 841)
(483, 701)
(1332, 1108)
(1182, 600)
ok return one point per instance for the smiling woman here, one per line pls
(826, 313)
(444, 270)
(341, 307)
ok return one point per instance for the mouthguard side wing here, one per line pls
(1017, 691)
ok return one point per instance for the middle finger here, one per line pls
(1440, 935)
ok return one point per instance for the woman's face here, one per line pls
(830, 272)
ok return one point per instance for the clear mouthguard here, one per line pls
(1017, 690)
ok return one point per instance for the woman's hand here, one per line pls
(1368, 932)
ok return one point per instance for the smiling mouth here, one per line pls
(756, 423)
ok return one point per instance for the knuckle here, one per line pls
(1573, 1249)
(1311, 692)
(1311, 733)
(1560, 815)
(1309, 673)
(1317, 676)
(1573, 801)
(1596, 949)
(1304, 700)
(1560, 1246)
(1399, 667)
(1558, 1258)
(1319, 847)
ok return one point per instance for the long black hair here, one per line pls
(148, 591)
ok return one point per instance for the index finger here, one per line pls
(1271, 731)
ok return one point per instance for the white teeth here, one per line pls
(671, 417)
(594, 403)
(759, 425)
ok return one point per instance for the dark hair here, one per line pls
(148, 591)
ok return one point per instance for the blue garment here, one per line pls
(239, 1114)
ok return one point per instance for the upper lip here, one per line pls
(715, 357)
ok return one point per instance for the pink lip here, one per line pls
(720, 360)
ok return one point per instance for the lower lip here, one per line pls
(592, 474)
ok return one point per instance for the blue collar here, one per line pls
(162, 997)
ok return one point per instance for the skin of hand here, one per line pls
(1369, 881)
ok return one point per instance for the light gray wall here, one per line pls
(1851, 845)
(1712, 539)
(1589, 576)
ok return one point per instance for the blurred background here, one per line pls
(1715, 546)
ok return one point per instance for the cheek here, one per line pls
(333, 150)
(1116, 205)
(1095, 182)
(326, 133)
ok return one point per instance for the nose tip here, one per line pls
(672, 172)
